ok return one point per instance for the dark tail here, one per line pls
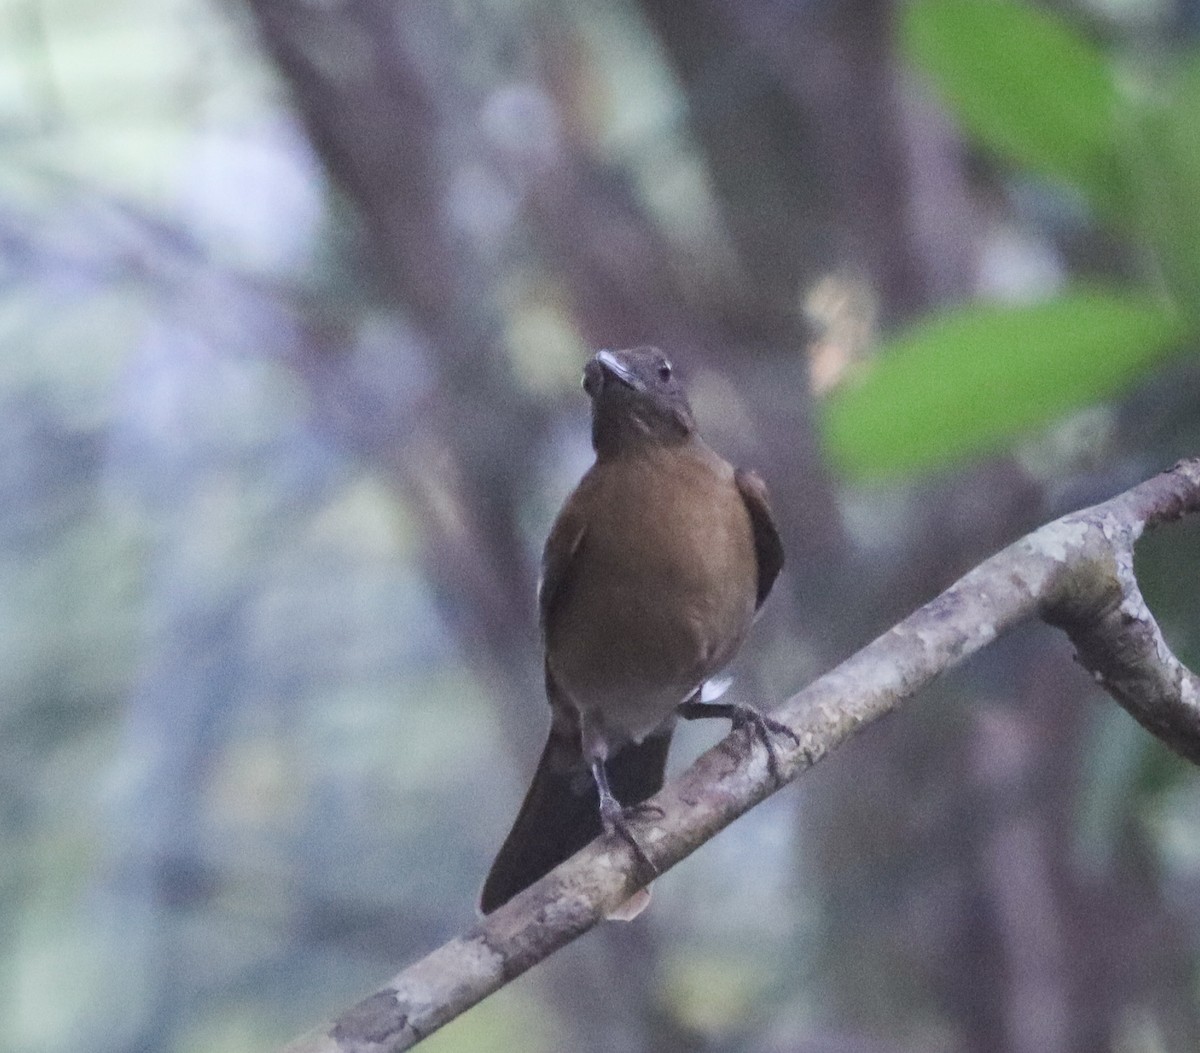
(561, 812)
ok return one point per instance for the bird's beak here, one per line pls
(614, 366)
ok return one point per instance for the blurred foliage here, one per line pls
(1027, 84)
(968, 380)
(1161, 142)
(977, 378)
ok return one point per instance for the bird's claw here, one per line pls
(643, 810)
(741, 716)
(616, 821)
(764, 727)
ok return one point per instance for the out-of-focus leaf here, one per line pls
(1165, 161)
(1026, 84)
(972, 379)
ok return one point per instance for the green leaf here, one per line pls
(1165, 162)
(1025, 84)
(971, 380)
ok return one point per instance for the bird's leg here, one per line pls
(741, 716)
(616, 818)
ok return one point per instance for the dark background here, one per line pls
(294, 297)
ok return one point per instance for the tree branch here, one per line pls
(1076, 573)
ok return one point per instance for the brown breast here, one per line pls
(661, 589)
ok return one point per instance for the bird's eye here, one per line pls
(664, 370)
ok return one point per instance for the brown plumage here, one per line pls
(651, 576)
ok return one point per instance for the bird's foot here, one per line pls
(616, 821)
(765, 727)
(743, 716)
(644, 810)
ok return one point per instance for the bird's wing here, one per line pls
(562, 546)
(767, 547)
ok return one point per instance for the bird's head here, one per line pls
(636, 399)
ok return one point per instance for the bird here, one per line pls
(652, 573)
